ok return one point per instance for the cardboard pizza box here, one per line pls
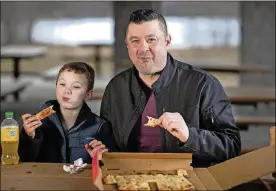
(223, 176)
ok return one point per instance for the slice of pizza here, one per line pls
(152, 122)
(182, 172)
(45, 112)
(109, 179)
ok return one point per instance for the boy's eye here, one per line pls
(77, 87)
(62, 84)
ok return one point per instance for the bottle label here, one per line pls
(10, 134)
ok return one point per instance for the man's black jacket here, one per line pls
(190, 91)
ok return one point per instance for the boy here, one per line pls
(66, 135)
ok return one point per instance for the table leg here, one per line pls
(16, 74)
(16, 69)
(98, 60)
(16, 96)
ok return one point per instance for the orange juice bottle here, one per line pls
(9, 140)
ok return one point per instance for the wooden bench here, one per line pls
(13, 89)
(254, 120)
(243, 122)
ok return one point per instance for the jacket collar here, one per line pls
(164, 79)
(56, 118)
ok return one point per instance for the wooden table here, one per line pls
(250, 95)
(217, 67)
(50, 176)
(44, 176)
(16, 53)
(235, 68)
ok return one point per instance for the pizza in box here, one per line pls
(150, 181)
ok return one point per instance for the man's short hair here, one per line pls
(80, 68)
(143, 15)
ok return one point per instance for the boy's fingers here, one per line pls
(104, 151)
(96, 144)
(35, 123)
(25, 116)
(36, 126)
(31, 119)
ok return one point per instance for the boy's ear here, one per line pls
(89, 95)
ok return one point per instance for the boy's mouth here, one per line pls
(65, 99)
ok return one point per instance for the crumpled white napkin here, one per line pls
(73, 169)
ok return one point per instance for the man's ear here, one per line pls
(126, 42)
(89, 95)
(168, 40)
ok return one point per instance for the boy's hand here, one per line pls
(30, 123)
(95, 146)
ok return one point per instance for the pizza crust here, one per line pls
(45, 112)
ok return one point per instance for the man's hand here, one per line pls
(175, 124)
(95, 146)
(30, 123)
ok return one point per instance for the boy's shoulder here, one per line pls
(93, 117)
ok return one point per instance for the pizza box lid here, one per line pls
(241, 169)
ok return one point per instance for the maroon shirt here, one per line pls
(149, 141)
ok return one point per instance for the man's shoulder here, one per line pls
(121, 77)
(195, 71)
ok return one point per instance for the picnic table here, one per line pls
(237, 95)
(235, 68)
(13, 89)
(17, 53)
(250, 95)
(50, 176)
(97, 47)
(217, 67)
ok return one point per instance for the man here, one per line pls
(193, 112)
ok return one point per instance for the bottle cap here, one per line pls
(9, 114)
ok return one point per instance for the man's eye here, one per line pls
(151, 40)
(134, 41)
(62, 84)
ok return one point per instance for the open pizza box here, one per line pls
(223, 176)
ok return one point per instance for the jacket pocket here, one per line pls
(210, 119)
(77, 149)
(79, 141)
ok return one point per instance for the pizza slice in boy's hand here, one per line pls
(45, 112)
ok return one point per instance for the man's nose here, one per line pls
(144, 46)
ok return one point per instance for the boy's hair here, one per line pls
(143, 15)
(80, 68)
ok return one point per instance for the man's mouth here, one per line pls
(145, 58)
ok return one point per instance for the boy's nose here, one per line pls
(68, 91)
